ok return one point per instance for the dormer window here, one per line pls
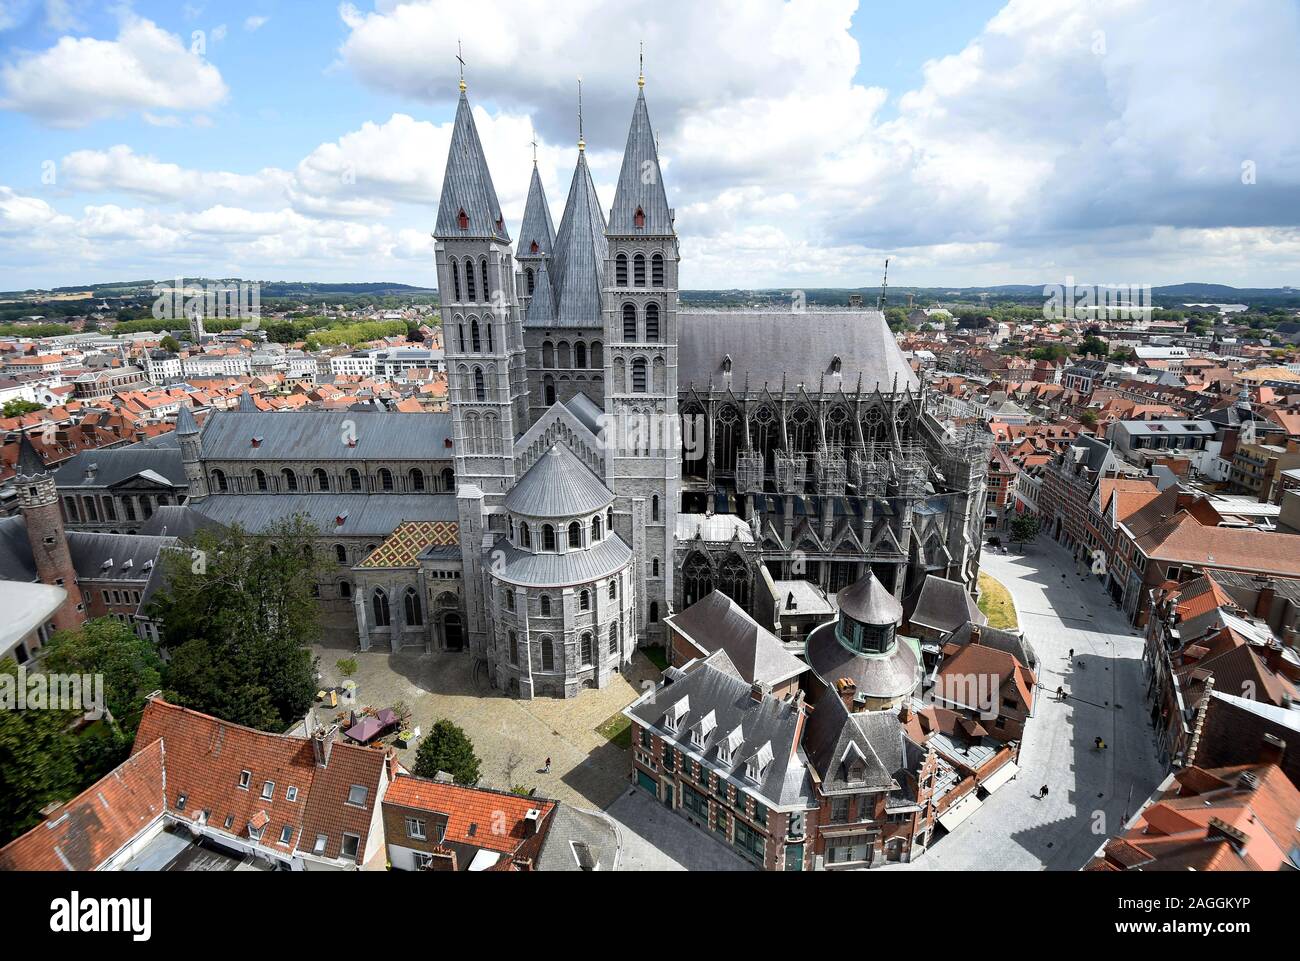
(757, 764)
(727, 748)
(701, 732)
(639, 217)
(835, 364)
(673, 719)
(726, 364)
(533, 248)
(462, 219)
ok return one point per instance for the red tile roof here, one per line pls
(482, 818)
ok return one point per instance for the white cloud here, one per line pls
(255, 22)
(121, 169)
(80, 80)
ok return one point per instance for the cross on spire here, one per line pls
(461, 58)
(534, 143)
(640, 80)
(582, 144)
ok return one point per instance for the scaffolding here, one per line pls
(880, 470)
(964, 455)
(831, 471)
(749, 473)
(791, 473)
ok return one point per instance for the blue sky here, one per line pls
(975, 142)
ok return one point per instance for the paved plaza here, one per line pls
(1090, 792)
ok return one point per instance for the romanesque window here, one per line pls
(609, 519)
(586, 649)
(548, 388)
(575, 534)
(629, 323)
(584, 601)
(290, 479)
(474, 343)
(529, 275)
(484, 273)
(448, 479)
(579, 354)
(657, 270)
(654, 612)
(416, 478)
(548, 354)
(322, 479)
(461, 334)
(613, 638)
(380, 604)
(544, 605)
(259, 478)
(613, 590)
(654, 507)
(638, 270)
(652, 322)
(340, 553)
(480, 390)
(385, 479)
(219, 481)
(514, 648)
(620, 270)
(487, 326)
(455, 286)
(597, 356)
(595, 529)
(412, 608)
(654, 567)
(638, 376)
(548, 537)
(354, 479)
(525, 538)
(345, 589)
(470, 293)
(510, 599)
(548, 654)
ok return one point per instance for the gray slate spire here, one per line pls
(467, 185)
(640, 182)
(29, 462)
(186, 425)
(580, 252)
(537, 227)
(541, 309)
(246, 404)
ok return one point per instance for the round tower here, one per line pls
(187, 432)
(39, 500)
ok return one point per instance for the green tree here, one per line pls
(38, 760)
(1091, 347)
(447, 748)
(170, 343)
(129, 664)
(17, 407)
(238, 613)
(1024, 528)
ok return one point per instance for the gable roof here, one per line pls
(477, 817)
(717, 622)
(320, 435)
(942, 605)
(409, 540)
(836, 738)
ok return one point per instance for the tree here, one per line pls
(238, 612)
(170, 343)
(447, 748)
(1024, 528)
(1088, 418)
(38, 760)
(1091, 347)
(129, 664)
(18, 407)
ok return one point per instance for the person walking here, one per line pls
(1099, 744)
(1042, 792)
(547, 769)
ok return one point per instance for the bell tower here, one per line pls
(38, 499)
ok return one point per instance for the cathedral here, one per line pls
(609, 458)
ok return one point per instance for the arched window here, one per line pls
(455, 286)
(654, 507)
(657, 270)
(514, 647)
(638, 376)
(575, 534)
(461, 329)
(654, 567)
(595, 528)
(548, 387)
(487, 327)
(510, 599)
(586, 649)
(579, 354)
(474, 343)
(354, 479)
(345, 589)
(259, 478)
(584, 600)
(638, 218)
(609, 520)
(613, 590)
(379, 602)
(652, 322)
(448, 479)
(597, 356)
(548, 537)
(219, 480)
(415, 477)
(654, 612)
(544, 604)
(638, 270)
(525, 538)
(412, 607)
(487, 295)
(480, 389)
(470, 293)
(562, 356)
(529, 275)
(613, 638)
(322, 479)
(290, 479)
(548, 655)
(340, 553)
(620, 270)
(385, 479)
(548, 354)
(629, 323)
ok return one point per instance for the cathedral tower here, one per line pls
(483, 335)
(187, 433)
(643, 462)
(39, 500)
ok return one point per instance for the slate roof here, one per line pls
(877, 675)
(559, 485)
(867, 602)
(587, 411)
(29, 462)
(717, 622)
(942, 605)
(541, 306)
(773, 347)
(409, 540)
(320, 435)
(836, 741)
(773, 722)
(570, 831)
(537, 227)
(1006, 641)
(557, 570)
(580, 252)
(89, 549)
(467, 184)
(119, 464)
(637, 190)
(364, 515)
(185, 423)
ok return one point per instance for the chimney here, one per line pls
(975, 633)
(1267, 589)
(322, 742)
(757, 691)
(1222, 829)
(532, 821)
(1272, 750)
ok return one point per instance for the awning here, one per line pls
(1000, 777)
(960, 812)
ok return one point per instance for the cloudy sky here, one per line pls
(975, 142)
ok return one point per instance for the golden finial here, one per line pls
(582, 144)
(461, 58)
(640, 80)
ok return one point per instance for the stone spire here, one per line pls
(186, 425)
(29, 461)
(580, 252)
(640, 204)
(537, 233)
(541, 308)
(246, 404)
(469, 206)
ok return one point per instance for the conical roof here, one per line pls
(641, 182)
(580, 251)
(186, 425)
(867, 602)
(467, 185)
(537, 232)
(558, 485)
(541, 308)
(247, 404)
(29, 462)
